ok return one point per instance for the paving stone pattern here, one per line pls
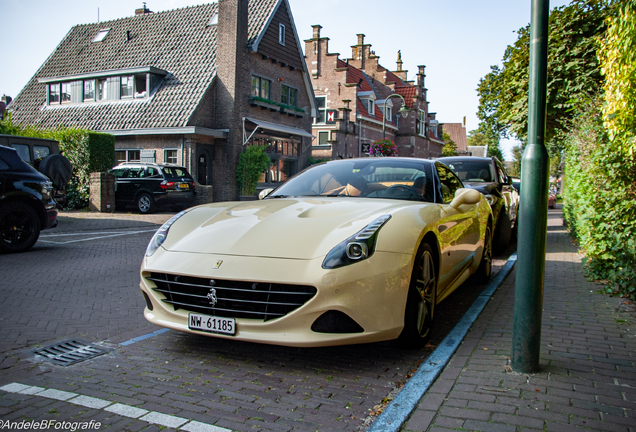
(588, 357)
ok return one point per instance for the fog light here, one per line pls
(356, 251)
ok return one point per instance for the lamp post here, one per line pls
(403, 110)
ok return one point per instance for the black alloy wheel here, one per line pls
(420, 304)
(19, 227)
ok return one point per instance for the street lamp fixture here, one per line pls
(403, 110)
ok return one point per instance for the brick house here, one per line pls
(352, 97)
(189, 86)
(457, 133)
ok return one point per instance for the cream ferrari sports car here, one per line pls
(348, 251)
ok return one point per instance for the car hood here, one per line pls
(299, 228)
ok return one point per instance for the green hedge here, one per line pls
(600, 201)
(86, 150)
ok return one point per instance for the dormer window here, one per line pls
(106, 86)
(387, 108)
(101, 35)
(281, 34)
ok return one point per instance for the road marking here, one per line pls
(106, 235)
(143, 337)
(396, 413)
(120, 409)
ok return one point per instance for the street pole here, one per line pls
(533, 205)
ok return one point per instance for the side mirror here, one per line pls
(262, 194)
(465, 196)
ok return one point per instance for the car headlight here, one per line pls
(490, 199)
(358, 247)
(161, 234)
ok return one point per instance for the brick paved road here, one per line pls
(89, 289)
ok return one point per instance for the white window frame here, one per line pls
(101, 35)
(165, 155)
(321, 111)
(281, 34)
(421, 122)
(323, 133)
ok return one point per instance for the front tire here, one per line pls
(19, 227)
(420, 303)
(144, 203)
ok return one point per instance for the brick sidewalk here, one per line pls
(86, 221)
(588, 361)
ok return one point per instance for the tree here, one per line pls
(573, 73)
(515, 167)
(450, 148)
(484, 136)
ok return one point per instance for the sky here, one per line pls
(457, 40)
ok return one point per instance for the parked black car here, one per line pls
(26, 203)
(149, 185)
(43, 155)
(488, 176)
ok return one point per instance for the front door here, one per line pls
(202, 169)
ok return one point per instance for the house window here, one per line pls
(214, 20)
(370, 106)
(323, 138)
(54, 93)
(261, 87)
(66, 92)
(89, 90)
(170, 156)
(388, 112)
(102, 90)
(289, 96)
(127, 156)
(433, 130)
(421, 123)
(281, 34)
(321, 103)
(127, 85)
(101, 35)
(140, 86)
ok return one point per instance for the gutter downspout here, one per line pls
(182, 158)
(359, 118)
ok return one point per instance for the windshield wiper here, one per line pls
(279, 196)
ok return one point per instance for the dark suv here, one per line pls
(488, 176)
(147, 185)
(26, 203)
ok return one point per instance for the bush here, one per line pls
(383, 148)
(600, 201)
(251, 165)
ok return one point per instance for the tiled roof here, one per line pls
(409, 92)
(355, 76)
(178, 41)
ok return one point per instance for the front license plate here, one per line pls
(211, 324)
(183, 186)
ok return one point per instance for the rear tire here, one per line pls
(145, 204)
(420, 303)
(19, 227)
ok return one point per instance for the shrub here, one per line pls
(383, 148)
(251, 164)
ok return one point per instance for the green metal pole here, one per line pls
(533, 205)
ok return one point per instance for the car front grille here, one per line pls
(231, 299)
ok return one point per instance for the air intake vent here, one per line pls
(70, 352)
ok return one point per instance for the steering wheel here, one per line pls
(396, 189)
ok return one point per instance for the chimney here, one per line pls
(232, 87)
(399, 61)
(142, 11)
(316, 31)
(420, 76)
(358, 53)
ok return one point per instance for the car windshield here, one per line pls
(473, 171)
(175, 172)
(363, 178)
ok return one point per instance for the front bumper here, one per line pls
(372, 293)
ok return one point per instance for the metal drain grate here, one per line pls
(70, 352)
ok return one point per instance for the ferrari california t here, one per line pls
(347, 251)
